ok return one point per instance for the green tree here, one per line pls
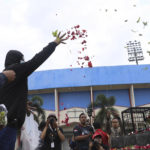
(106, 107)
(37, 102)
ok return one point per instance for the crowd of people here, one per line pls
(85, 136)
(13, 98)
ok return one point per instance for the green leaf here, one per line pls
(55, 33)
(145, 23)
(138, 20)
(148, 52)
(133, 31)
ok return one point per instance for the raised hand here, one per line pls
(60, 38)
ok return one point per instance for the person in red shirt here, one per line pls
(103, 135)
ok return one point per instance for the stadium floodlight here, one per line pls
(134, 51)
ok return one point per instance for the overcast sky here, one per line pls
(27, 25)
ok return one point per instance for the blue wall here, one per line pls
(130, 74)
(142, 96)
(122, 96)
(74, 99)
(48, 99)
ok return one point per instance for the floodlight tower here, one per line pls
(135, 52)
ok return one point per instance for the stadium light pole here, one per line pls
(135, 52)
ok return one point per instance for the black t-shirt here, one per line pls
(80, 130)
(52, 140)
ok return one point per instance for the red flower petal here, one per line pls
(90, 64)
(80, 58)
(83, 31)
(82, 49)
(73, 37)
(78, 26)
(78, 62)
(86, 58)
(73, 33)
(83, 42)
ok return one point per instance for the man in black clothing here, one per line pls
(52, 135)
(14, 95)
(83, 133)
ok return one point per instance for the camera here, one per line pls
(51, 121)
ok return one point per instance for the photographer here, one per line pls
(52, 135)
(96, 144)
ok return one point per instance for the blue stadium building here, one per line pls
(66, 91)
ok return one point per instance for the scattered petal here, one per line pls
(133, 31)
(138, 20)
(86, 58)
(83, 31)
(78, 62)
(80, 58)
(90, 64)
(145, 23)
(73, 33)
(73, 37)
(78, 26)
(83, 42)
(148, 52)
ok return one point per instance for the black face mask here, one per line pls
(13, 57)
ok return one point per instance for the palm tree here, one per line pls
(37, 102)
(106, 104)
